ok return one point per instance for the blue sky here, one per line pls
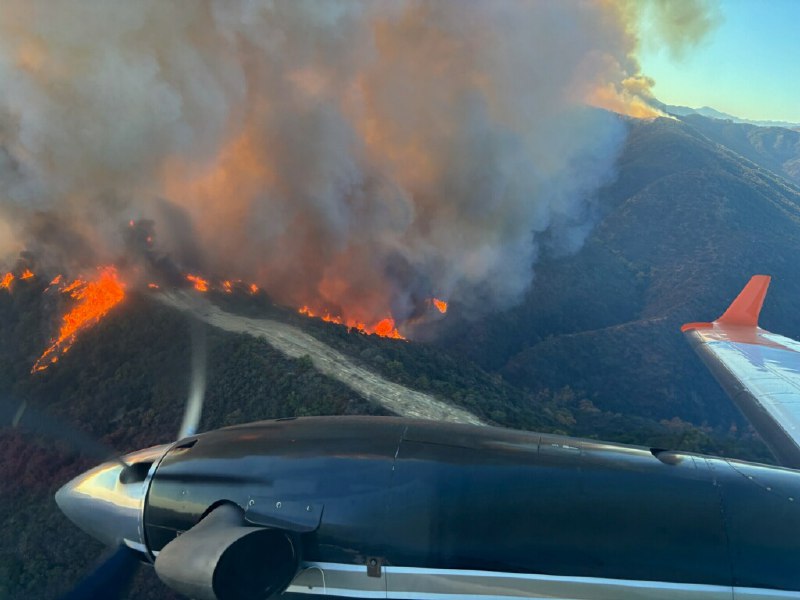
(748, 66)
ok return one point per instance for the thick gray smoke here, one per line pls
(358, 157)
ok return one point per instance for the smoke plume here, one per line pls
(679, 26)
(356, 157)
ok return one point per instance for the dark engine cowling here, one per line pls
(223, 558)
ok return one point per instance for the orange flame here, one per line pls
(200, 284)
(73, 286)
(152, 286)
(384, 328)
(5, 282)
(253, 288)
(94, 300)
(55, 282)
(440, 305)
(26, 274)
(227, 286)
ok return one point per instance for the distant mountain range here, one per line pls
(713, 113)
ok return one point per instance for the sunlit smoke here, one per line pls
(354, 157)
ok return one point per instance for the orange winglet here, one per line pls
(745, 309)
(692, 326)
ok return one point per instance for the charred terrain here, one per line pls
(594, 350)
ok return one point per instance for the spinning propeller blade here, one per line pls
(115, 570)
(110, 579)
(22, 415)
(197, 388)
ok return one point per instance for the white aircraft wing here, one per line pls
(759, 370)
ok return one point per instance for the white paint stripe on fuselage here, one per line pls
(334, 579)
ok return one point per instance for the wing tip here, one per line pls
(746, 308)
(697, 325)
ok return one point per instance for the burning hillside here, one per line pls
(355, 158)
(88, 299)
(93, 299)
(384, 327)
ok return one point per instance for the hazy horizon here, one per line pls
(744, 65)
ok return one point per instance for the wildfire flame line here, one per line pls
(384, 328)
(200, 284)
(94, 300)
(9, 278)
(228, 286)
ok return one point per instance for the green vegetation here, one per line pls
(594, 350)
(684, 226)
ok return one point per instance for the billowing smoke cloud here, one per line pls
(353, 156)
(679, 26)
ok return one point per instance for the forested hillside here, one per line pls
(683, 227)
(594, 350)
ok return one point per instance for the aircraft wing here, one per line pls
(759, 370)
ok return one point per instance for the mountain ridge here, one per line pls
(594, 350)
(713, 113)
(682, 229)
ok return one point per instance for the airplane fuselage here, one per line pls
(417, 509)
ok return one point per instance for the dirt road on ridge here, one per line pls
(294, 342)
